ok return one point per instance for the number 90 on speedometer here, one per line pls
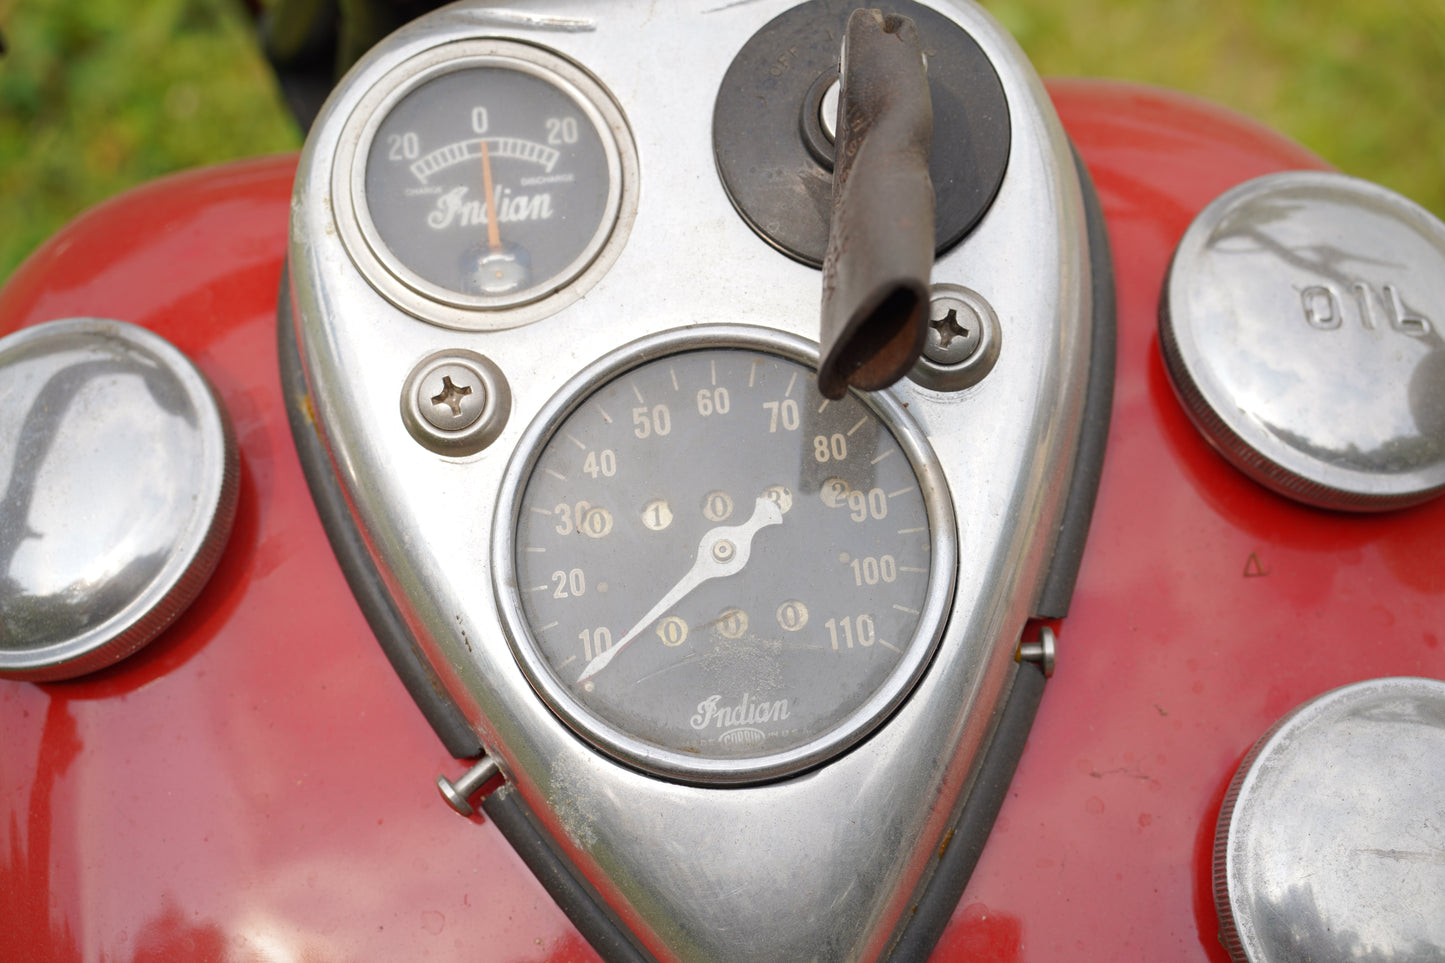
(713, 573)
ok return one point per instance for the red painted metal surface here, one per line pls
(1206, 607)
(256, 785)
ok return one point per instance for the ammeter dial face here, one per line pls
(487, 175)
(711, 571)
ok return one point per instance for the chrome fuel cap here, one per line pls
(1302, 329)
(1331, 842)
(119, 477)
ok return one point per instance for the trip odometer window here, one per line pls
(714, 573)
(490, 183)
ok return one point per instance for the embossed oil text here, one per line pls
(1324, 308)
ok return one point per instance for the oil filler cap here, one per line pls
(1331, 842)
(1303, 327)
(118, 483)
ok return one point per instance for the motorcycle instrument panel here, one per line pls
(666, 585)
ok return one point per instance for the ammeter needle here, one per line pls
(494, 232)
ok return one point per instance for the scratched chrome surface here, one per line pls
(822, 865)
(100, 551)
(1329, 843)
(1295, 332)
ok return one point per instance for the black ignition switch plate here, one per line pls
(776, 163)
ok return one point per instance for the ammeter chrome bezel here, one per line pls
(427, 300)
(682, 765)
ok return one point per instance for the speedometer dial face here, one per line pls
(714, 573)
(486, 175)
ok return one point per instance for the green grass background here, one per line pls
(98, 95)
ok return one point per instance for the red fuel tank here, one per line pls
(256, 784)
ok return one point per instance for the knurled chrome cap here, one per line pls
(1331, 842)
(1301, 325)
(118, 483)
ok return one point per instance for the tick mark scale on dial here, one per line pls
(539, 511)
(901, 491)
(890, 646)
(861, 422)
(712, 367)
(673, 372)
(605, 416)
(789, 391)
(539, 588)
(823, 405)
(576, 442)
(549, 625)
(912, 571)
(533, 548)
(881, 457)
(640, 400)
(462, 151)
(904, 608)
(911, 531)
(555, 474)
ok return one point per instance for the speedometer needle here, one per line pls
(494, 231)
(723, 551)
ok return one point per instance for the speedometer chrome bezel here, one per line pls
(686, 766)
(427, 300)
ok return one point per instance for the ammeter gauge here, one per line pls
(489, 182)
(714, 573)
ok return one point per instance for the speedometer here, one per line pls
(484, 177)
(711, 571)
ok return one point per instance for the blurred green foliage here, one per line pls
(1359, 83)
(98, 95)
